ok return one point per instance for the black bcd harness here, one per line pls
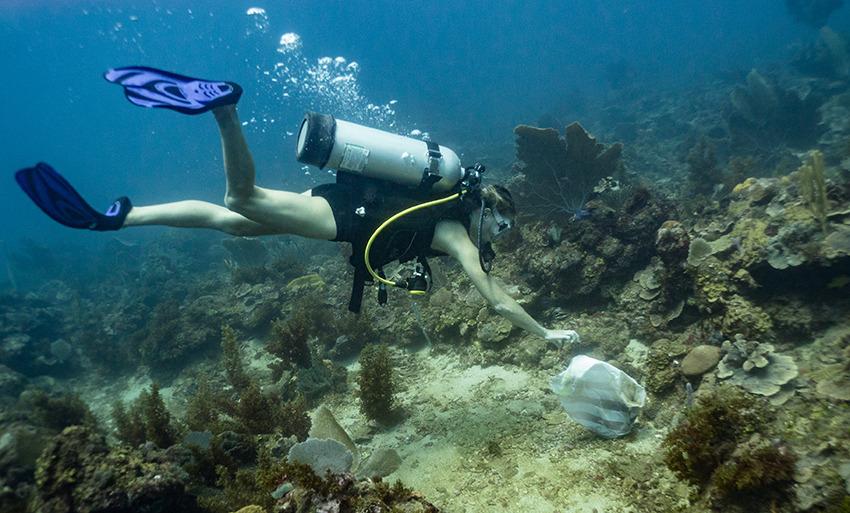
(408, 238)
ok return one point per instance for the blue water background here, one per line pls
(466, 72)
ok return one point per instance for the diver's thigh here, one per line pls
(315, 219)
(307, 216)
(291, 212)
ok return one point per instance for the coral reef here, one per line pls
(78, 472)
(724, 218)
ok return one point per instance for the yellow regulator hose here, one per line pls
(389, 221)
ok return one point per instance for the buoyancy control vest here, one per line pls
(408, 238)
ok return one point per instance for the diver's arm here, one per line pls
(450, 237)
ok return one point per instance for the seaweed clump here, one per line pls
(248, 409)
(718, 448)
(288, 340)
(231, 358)
(709, 434)
(812, 184)
(756, 470)
(377, 383)
(147, 420)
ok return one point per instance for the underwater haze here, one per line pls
(652, 316)
(461, 72)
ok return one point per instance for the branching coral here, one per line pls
(560, 173)
(289, 338)
(202, 408)
(247, 409)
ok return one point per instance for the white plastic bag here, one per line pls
(599, 396)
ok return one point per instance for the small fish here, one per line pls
(125, 243)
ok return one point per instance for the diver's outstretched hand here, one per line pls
(562, 337)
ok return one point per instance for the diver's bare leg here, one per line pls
(287, 212)
(196, 214)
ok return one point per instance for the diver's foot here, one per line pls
(158, 89)
(115, 215)
(58, 199)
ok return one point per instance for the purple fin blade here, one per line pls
(56, 197)
(153, 88)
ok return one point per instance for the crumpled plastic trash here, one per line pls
(599, 396)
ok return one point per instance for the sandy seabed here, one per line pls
(496, 439)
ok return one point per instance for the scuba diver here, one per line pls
(396, 198)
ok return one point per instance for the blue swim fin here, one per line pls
(58, 199)
(155, 88)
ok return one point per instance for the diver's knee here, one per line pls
(236, 204)
(236, 226)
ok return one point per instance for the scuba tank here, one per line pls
(324, 141)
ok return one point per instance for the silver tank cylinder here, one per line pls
(326, 142)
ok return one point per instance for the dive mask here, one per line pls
(500, 224)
